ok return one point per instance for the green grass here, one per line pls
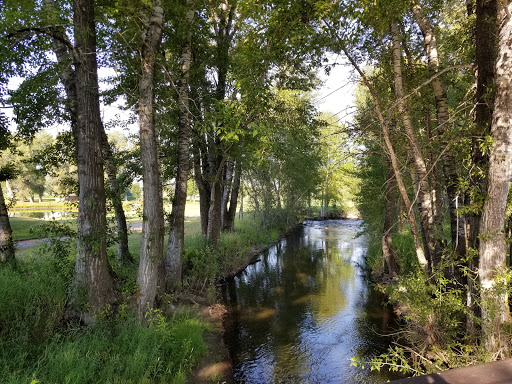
(36, 342)
(21, 226)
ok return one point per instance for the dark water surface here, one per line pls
(305, 309)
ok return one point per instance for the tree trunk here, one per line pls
(441, 99)
(420, 255)
(424, 195)
(214, 223)
(486, 33)
(67, 77)
(226, 191)
(493, 247)
(174, 255)
(202, 186)
(92, 278)
(6, 243)
(229, 222)
(123, 252)
(387, 238)
(253, 196)
(151, 271)
(224, 36)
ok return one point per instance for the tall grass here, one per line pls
(38, 343)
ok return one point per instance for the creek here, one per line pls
(301, 312)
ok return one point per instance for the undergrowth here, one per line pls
(434, 334)
(203, 264)
(38, 343)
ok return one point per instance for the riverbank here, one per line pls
(196, 301)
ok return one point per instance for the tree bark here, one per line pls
(214, 222)
(67, 77)
(486, 34)
(229, 222)
(202, 186)
(387, 238)
(92, 278)
(493, 247)
(424, 193)
(174, 255)
(6, 242)
(226, 191)
(151, 271)
(441, 99)
(123, 252)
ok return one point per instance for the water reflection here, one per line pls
(299, 314)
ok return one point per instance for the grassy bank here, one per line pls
(38, 346)
(39, 343)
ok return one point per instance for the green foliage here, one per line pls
(36, 344)
(203, 264)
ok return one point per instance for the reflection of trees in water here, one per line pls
(282, 300)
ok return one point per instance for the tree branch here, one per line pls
(48, 31)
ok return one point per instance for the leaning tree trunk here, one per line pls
(123, 252)
(420, 255)
(92, 278)
(441, 99)
(150, 273)
(174, 255)
(425, 199)
(202, 186)
(493, 246)
(6, 243)
(214, 223)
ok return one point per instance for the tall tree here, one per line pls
(151, 267)
(174, 255)
(92, 277)
(424, 192)
(486, 32)
(443, 121)
(420, 254)
(493, 247)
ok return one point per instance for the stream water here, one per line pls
(302, 311)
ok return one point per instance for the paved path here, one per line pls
(498, 372)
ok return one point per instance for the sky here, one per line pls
(336, 94)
